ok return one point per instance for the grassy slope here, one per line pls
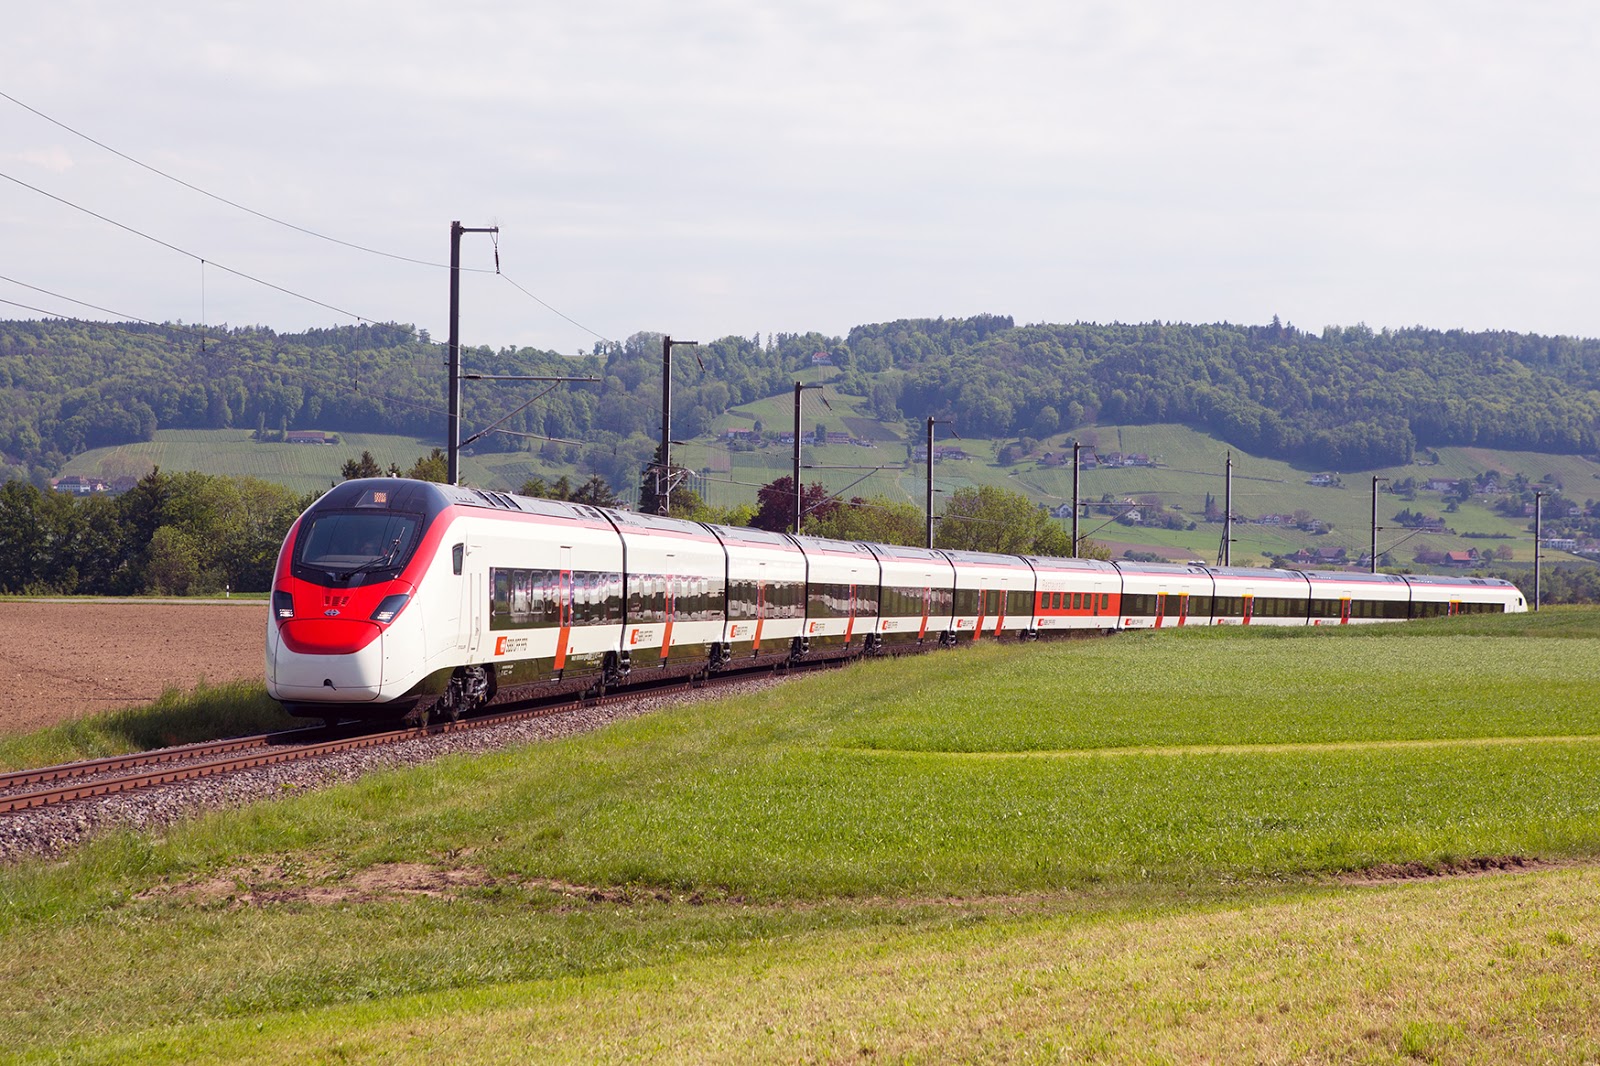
(995, 853)
(1194, 467)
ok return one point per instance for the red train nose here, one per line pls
(327, 636)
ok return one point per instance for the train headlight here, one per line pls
(390, 607)
(282, 605)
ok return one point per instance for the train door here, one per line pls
(1249, 607)
(1161, 609)
(1455, 608)
(927, 608)
(983, 601)
(761, 613)
(671, 583)
(1000, 610)
(458, 622)
(850, 623)
(1183, 608)
(1344, 610)
(563, 611)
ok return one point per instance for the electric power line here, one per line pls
(290, 225)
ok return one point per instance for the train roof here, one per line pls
(1053, 562)
(1458, 582)
(1265, 573)
(1188, 569)
(984, 558)
(1353, 577)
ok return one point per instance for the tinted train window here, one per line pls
(367, 541)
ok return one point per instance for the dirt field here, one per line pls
(62, 660)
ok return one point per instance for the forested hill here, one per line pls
(1345, 399)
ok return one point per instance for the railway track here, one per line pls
(25, 790)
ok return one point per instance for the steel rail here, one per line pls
(268, 749)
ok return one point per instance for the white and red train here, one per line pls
(395, 597)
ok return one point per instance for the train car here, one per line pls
(994, 595)
(1081, 594)
(1433, 597)
(915, 598)
(676, 584)
(842, 582)
(766, 580)
(1342, 597)
(1245, 596)
(1158, 595)
(391, 595)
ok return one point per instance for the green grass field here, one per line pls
(1123, 849)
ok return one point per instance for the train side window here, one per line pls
(458, 556)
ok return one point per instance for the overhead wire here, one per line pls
(307, 231)
(184, 251)
(231, 203)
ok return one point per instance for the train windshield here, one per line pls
(344, 544)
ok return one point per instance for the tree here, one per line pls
(435, 466)
(366, 466)
(880, 520)
(998, 520)
(775, 505)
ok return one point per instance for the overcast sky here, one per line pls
(706, 168)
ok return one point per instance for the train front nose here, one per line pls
(327, 660)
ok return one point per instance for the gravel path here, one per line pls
(53, 830)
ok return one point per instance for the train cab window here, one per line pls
(342, 544)
(458, 557)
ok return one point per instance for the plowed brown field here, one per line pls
(63, 660)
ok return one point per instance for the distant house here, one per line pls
(840, 438)
(307, 436)
(1466, 558)
(77, 485)
(1440, 484)
(1332, 556)
(1321, 479)
(1275, 520)
(821, 359)
(740, 434)
(1063, 510)
(1560, 544)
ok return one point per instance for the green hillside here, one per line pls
(1191, 466)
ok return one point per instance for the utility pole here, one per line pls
(453, 431)
(799, 490)
(931, 423)
(1227, 513)
(1076, 448)
(1538, 537)
(664, 500)
(1374, 560)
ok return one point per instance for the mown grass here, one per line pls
(1486, 971)
(876, 855)
(178, 717)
